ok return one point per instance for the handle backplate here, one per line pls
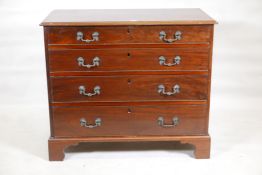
(162, 90)
(161, 122)
(176, 61)
(82, 91)
(81, 62)
(80, 37)
(177, 36)
(84, 123)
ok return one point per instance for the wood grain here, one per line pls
(129, 74)
(58, 145)
(199, 45)
(128, 35)
(130, 103)
(105, 17)
(129, 88)
(129, 120)
(128, 60)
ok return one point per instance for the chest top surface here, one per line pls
(109, 17)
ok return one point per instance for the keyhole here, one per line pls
(129, 111)
(129, 55)
(128, 31)
(129, 81)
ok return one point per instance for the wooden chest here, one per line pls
(128, 75)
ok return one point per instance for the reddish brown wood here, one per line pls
(129, 34)
(128, 76)
(128, 60)
(131, 103)
(210, 69)
(201, 143)
(129, 88)
(128, 72)
(56, 148)
(105, 17)
(202, 146)
(199, 45)
(48, 81)
(130, 120)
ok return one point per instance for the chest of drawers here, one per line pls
(128, 76)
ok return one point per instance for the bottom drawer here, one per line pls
(130, 120)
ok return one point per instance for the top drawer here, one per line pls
(129, 35)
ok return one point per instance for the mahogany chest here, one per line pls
(128, 76)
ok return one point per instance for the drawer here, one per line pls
(129, 35)
(130, 121)
(129, 88)
(116, 60)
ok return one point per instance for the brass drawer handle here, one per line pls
(162, 90)
(84, 123)
(176, 61)
(175, 122)
(80, 37)
(177, 36)
(82, 91)
(81, 62)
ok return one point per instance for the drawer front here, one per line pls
(92, 60)
(129, 35)
(129, 88)
(130, 121)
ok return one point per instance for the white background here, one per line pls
(236, 104)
